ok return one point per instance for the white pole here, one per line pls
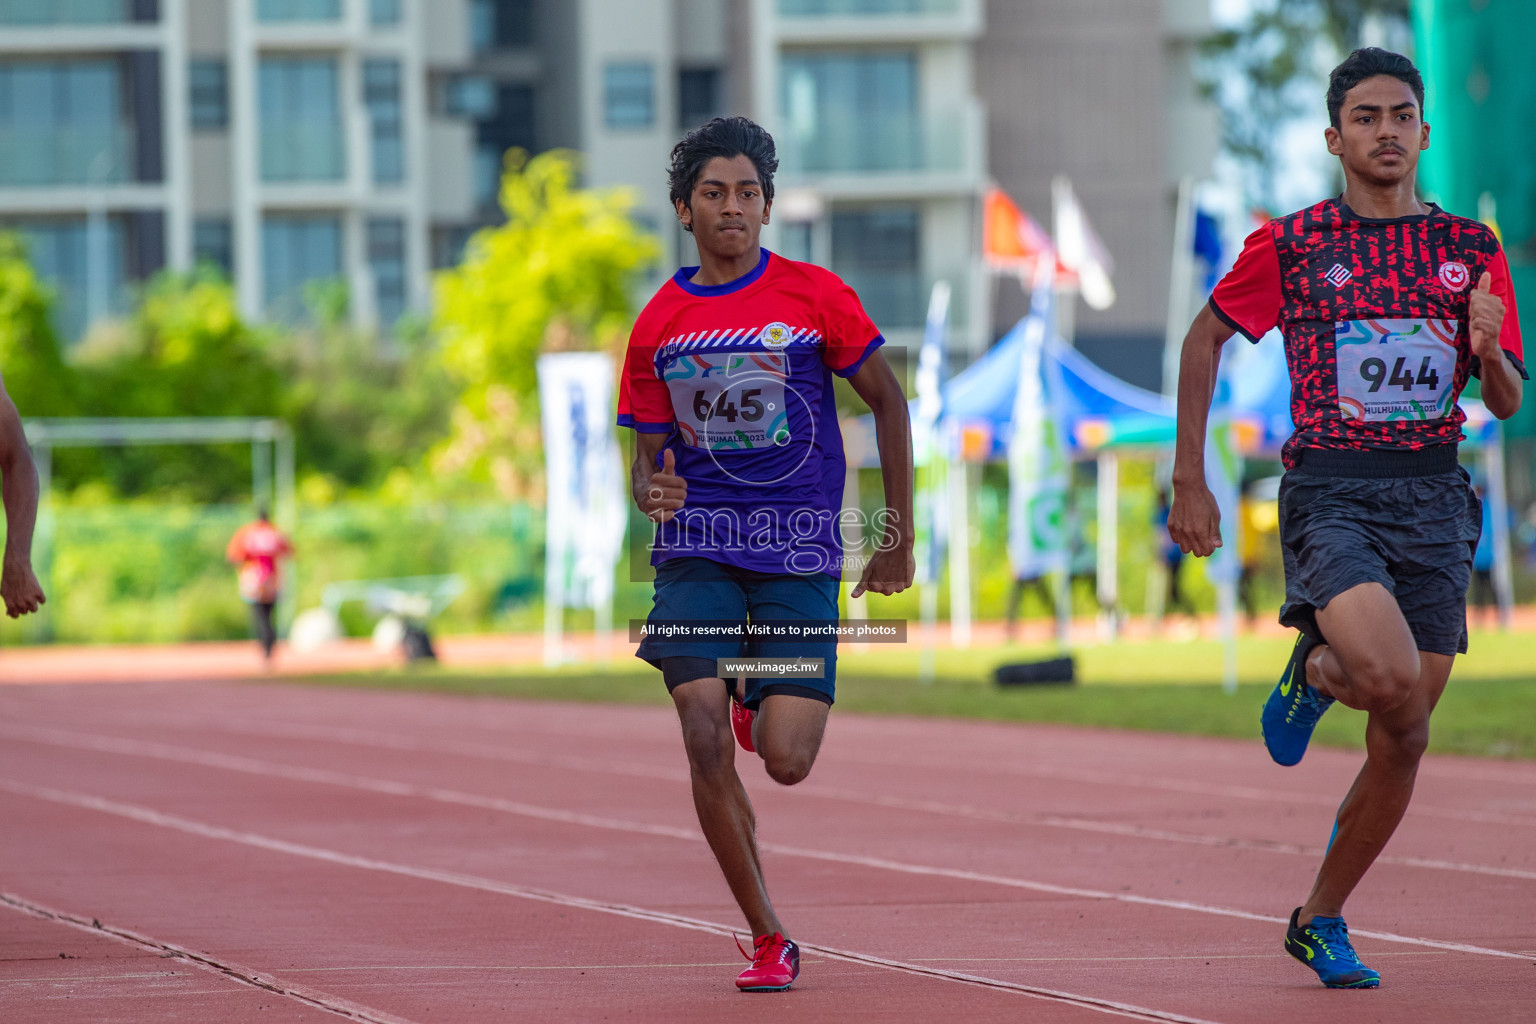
(853, 548)
(1226, 604)
(1498, 496)
(1108, 556)
(1181, 283)
(959, 556)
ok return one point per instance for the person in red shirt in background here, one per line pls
(258, 549)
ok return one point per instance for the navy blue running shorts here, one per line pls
(703, 590)
(1407, 520)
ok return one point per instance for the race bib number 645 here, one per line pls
(730, 401)
(1395, 369)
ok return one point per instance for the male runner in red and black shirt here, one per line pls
(1388, 305)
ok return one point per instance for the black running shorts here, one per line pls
(1406, 520)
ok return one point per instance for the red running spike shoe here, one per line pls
(775, 964)
(741, 724)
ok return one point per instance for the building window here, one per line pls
(213, 243)
(448, 245)
(301, 128)
(470, 96)
(298, 10)
(386, 259)
(629, 94)
(384, 12)
(698, 96)
(71, 12)
(510, 127)
(381, 94)
(298, 252)
(63, 122)
(87, 270)
(878, 251)
(500, 24)
(847, 111)
(210, 94)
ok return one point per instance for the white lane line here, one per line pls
(810, 789)
(1172, 785)
(149, 816)
(361, 737)
(252, 766)
(205, 962)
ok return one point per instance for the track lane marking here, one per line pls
(363, 737)
(113, 744)
(409, 791)
(204, 962)
(161, 819)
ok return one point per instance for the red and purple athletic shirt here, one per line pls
(739, 376)
(1374, 314)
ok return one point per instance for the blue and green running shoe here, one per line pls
(1324, 946)
(1292, 710)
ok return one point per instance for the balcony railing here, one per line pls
(64, 12)
(860, 8)
(848, 142)
(42, 156)
(303, 153)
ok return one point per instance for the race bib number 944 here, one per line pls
(730, 401)
(1395, 369)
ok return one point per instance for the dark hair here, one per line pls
(729, 137)
(1368, 62)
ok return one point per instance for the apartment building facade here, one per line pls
(300, 141)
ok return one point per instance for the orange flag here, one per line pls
(1012, 240)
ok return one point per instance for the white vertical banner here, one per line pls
(1224, 476)
(585, 514)
(931, 457)
(1037, 464)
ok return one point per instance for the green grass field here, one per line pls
(1489, 709)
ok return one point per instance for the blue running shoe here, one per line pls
(1324, 946)
(1292, 710)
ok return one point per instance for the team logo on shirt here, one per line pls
(1338, 274)
(1454, 275)
(775, 335)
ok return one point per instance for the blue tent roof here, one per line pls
(1099, 410)
(982, 395)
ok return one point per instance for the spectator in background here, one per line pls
(1485, 597)
(258, 548)
(1248, 553)
(1082, 568)
(1175, 600)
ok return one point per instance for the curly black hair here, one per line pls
(729, 137)
(1368, 62)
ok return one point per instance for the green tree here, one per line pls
(1274, 66)
(558, 275)
(185, 351)
(362, 408)
(36, 376)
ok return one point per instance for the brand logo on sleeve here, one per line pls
(1338, 274)
(775, 335)
(1454, 275)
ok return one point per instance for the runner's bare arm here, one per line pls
(892, 567)
(1502, 386)
(658, 492)
(1194, 521)
(18, 481)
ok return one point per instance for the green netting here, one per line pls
(1480, 80)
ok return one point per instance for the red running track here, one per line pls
(277, 853)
